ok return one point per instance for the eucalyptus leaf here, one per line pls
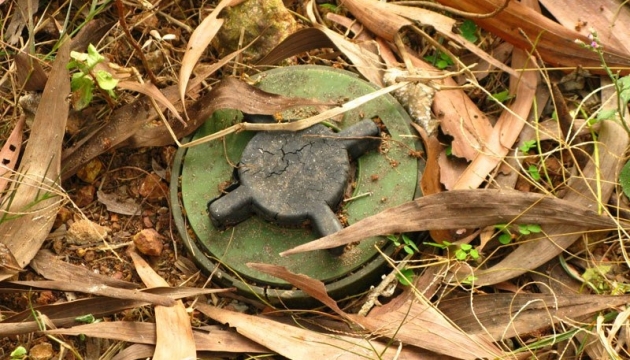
(624, 179)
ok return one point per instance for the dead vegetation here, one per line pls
(521, 107)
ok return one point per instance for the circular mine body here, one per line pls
(295, 176)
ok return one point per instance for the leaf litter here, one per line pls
(569, 206)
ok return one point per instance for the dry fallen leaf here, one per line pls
(504, 316)
(508, 126)
(144, 333)
(609, 18)
(198, 42)
(9, 154)
(464, 209)
(38, 195)
(66, 313)
(172, 323)
(525, 28)
(299, 343)
(416, 323)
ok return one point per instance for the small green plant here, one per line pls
(405, 276)
(468, 30)
(87, 319)
(469, 280)
(449, 150)
(407, 244)
(83, 81)
(507, 236)
(528, 145)
(440, 60)
(19, 353)
(331, 7)
(502, 96)
(533, 172)
(624, 179)
(463, 252)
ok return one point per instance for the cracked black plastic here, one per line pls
(293, 178)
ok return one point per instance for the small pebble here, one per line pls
(149, 242)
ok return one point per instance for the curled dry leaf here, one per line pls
(367, 62)
(386, 19)
(507, 128)
(417, 323)
(299, 343)
(127, 120)
(144, 333)
(197, 44)
(609, 18)
(464, 209)
(9, 154)
(504, 316)
(37, 196)
(152, 91)
(525, 28)
(172, 322)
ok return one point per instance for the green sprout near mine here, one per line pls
(407, 244)
(405, 276)
(439, 59)
(507, 236)
(463, 252)
(18, 353)
(83, 82)
(331, 7)
(502, 96)
(468, 30)
(528, 145)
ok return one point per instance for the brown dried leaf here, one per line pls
(97, 289)
(430, 182)
(405, 324)
(65, 314)
(609, 18)
(297, 43)
(173, 324)
(555, 43)
(299, 343)
(418, 323)
(8, 265)
(503, 316)
(198, 42)
(366, 62)
(52, 268)
(152, 91)
(312, 287)
(507, 128)
(9, 154)
(144, 333)
(30, 74)
(464, 209)
(386, 19)
(458, 115)
(114, 204)
(37, 195)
